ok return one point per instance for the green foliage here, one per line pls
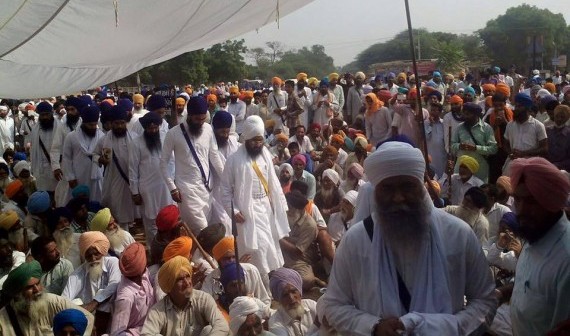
(450, 56)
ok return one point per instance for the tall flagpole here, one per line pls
(419, 111)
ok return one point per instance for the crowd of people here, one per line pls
(339, 206)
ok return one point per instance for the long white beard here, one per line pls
(64, 240)
(297, 312)
(116, 238)
(36, 308)
(16, 237)
(95, 270)
(469, 216)
(327, 195)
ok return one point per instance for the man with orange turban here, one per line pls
(378, 117)
(277, 105)
(138, 101)
(453, 119)
(135, 295)
(237, 108)
(184, 310)
(96, 280)
(405, 119)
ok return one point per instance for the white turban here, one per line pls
(332, 175)
(351, 197)
(21, 165)
(239, 310)
(3, 108)
(394, 158)
(285, 166)
(253, 127)
(543, 93)
(360, 75)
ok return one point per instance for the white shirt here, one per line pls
(238, 110)
(525, 136)
(281, 324)
(18, 258)
(494, 217)
(378, 125)
(277, 101)
(336, 227)
(449, 121)
(305, 146)
(458, 188)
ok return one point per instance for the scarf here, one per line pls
(375, 106)
(497, 127)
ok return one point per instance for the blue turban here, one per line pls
(44, 107)
(155, 102)
(403, 90)
(435, 93)
(473, 108)
(470, 90)
(90, 113)
(126, 104)
(20, 156)
(39, 202)
(549, 102)
(496, 70)
(106, 111)
(75, 102)
(523, 99)
(349, 143)
(230, 273)
(510, 219)
(81, 189)
(282, 277)
(150, 118)
(324, 82)
(118, 112)
(86, 100)
(70, 317)
(391, 75)
(431, 84)
(436, 74)
(197, 105)
(222, 119)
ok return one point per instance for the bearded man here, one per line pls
(55, 270)
(405, 118)
(145, 182)
(325, 104)
(138, 108)
(17, 199)
(96, 280)
(42, 139)
(354, 178)
(409, 267)
(12, 228)
(471, 212)
(196, 154)
(30, 310)
(452, 120)
(79, 163)
(285, 177)
(154, 103)
(9, 258)
(119, 238)
(252, 194)
(277, 105)
(341, 221)
(67, 241)
(329, 196)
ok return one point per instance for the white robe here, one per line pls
(217, 212)
(41, 166)
(6, 133)
(79, 163)
(26, 130)
(62, 194)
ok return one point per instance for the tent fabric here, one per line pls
(56, 47)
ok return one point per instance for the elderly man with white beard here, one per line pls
(119, 239)
(340, 222)
(67, 241)
(95, 282)
(471, 212)
(30, 310)
(409, 267)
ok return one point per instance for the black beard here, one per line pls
(119, 133)
(72, 120)
(46, 125)
(194, 129)
(153, 142)
(89, 132)
(22, 202)
(129, 116)
(222, 141)
(253, 152)
(284, 179)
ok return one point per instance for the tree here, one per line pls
(275, 51)
(450, 56)
(225, 61)
(313, 61)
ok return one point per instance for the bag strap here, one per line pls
(46, 154)
(14, 320)
(262, 180)
(119, 168)
(205, 180)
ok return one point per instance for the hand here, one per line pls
(58, 174)
(176, 196)
(91, 306)
(245, 258)
(503, 241)
(516, 154)
(239, 218)
(515, 246)
(198, 276)
(327, 104)
(320, 104)
(137, 199)
(277, 111)
(72, 184)
(329, 163)
(389, 327)
(468, 147)
(103, 160)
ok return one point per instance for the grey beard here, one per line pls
(16, 237)
(95, 270)
(297, 312)
(116, 238)
(35, 309)
(64, 240)
(327, 195)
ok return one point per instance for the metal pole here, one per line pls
(419, 111)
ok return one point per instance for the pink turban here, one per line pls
(356, 169)
(548, 185)
(133, 260)
(299, 157)
(93, 239)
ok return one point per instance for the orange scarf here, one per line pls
(495, 125)
(375, 106)
(309, 208)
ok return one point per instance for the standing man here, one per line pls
(6, 129)
(195, 152)
(426, 261)
(336, 89)
(354, 98)
(251, 189)
(237, 108)
(405, 120)
(42, 139)
(303, 93)
(295, 105)
(277, 104)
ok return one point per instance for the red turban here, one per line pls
(248, 94)
(384, 95)
(413, 93)
(548, 185)
(133, 260)
(455, 99)
(181, 246)
(299, 157)
(315, 126)
(13, 188)
(93, 239)
(167, 218)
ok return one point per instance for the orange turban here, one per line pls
(281, 137)
(550, 87)
(93, 239)
(13, 188)
(181, 246)
(133, 260)
(337, 138)
(234, 89)
(330, 150)
(170, 270)
(276, 80)
(138, 98)
(374, 106)
(211, 97)
(489, 87)
(222, 247)
(503, 89)
(413, 93)
(435, 185)
(455, 99)
(302, 76)
(248, 94)
(109, 101)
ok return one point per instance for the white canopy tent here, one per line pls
(55, 47)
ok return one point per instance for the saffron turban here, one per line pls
(222, 119)
(20, 166)
(18, 278)
(197, 105)
(315, 126)
(13, 188)
(548, 86)
(109, 101)
(269, 123)
(548, 185)
(39, 202)
(394, 159)
(333, 76)
(412, 94)
(287, 167)
(234, 89)
(167, 218)
(469, 162)
(455, 99)
(337, 138)
(90, 113)
(180, 101)
(240, 309)
(523, 99)
(276, 80)
(169, 271)
(150, 118)
(299, 158)
(44, 107)
(8, 219)
(138, 98)
(94, 239)
(360, 140)
(505, 182)
(248, 94)
(503, 89)
(360, 75)
(470, 90)
(281, 137)
(313, 80)
(70, 317)
(402, 75)
(225, 245)
(436, 187)
(332, 175)
(155, 102)
(357, 170)
(212, 97)
(330, 150)
(230, 273)
(253, 127)
(384, 95)
(489, 87)
(181, 246)
(101, 220)
(133, 260)
(282, 277)
(302, 76)
(351, 196)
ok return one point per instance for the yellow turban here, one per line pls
(169, 271)
(333, 76)
(222, 247)
(469, 162)
(301, 76)
(269, 123)
(8, 219)
(313, 80)
(138, 98)
(181, 246)
(402, 75)
(234, 89)
(180, 101)
(101, 220)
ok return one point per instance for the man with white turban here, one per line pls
(245, 317)
(341, 221)
(354, 98)
(329, 197)
(251, 189)
(408, 267)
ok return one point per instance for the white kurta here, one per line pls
(62, 194)
(26, 130)
(321, 116)
(217, 213)
(41, 166)
(79, 163)
(378, 125)
(195, 205)
(277, 101)
(306, 103)
(238, 110)
(7, 133)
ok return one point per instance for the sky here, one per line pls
(345, 28)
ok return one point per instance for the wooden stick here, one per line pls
(204, 253)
